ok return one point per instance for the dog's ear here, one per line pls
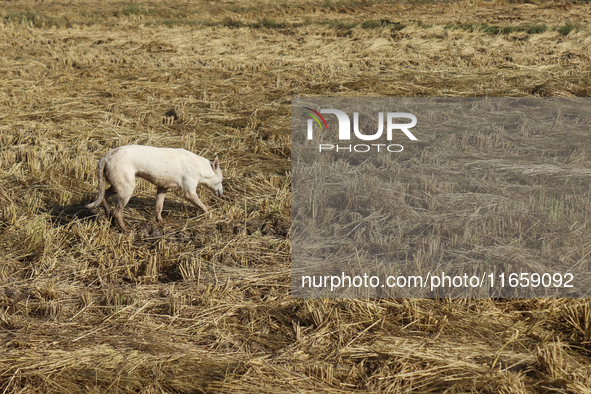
(216, 164)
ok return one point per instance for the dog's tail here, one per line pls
(100, 172)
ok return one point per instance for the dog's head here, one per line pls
(216, 185)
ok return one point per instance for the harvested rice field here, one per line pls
(202, 303)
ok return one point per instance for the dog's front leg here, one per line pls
(160, 194)
(194, 198)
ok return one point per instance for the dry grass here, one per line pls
(202, 303)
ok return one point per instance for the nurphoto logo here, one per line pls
(345, 130)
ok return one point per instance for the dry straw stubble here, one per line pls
(202, 303)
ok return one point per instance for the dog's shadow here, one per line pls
(64, 215)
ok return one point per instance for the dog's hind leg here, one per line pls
(108, 193)
(160, 194)
(124, 193)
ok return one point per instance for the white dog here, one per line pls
(164, 167)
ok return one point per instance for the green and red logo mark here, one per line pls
(314, 115)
